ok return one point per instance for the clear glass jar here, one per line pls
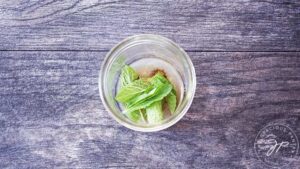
(139, 47)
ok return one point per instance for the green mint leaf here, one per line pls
(134, 116)
(143, 115)
(132, 90)
(157, 81)
(128, 75)
(171, 101)
(154, 113)
(146, 95)
(160, 92)
(171, 97)
(158, 78)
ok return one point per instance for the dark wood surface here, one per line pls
(227, 25)
(247, 61)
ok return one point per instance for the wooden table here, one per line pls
(247, 59)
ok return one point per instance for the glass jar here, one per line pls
(140, 47)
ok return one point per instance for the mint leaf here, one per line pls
(145, 95)
(143, 98)
(171, 97)
(128, 75)
(158, 78)
(171, 100)
(160, 92)
(154, 113)
(143, 115)
(137, 115)
(157, 81)
(134, 116)
(132, 90)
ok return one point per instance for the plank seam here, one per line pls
(104, 50)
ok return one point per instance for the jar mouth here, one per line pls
(127, 44)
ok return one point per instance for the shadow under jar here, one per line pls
(146, 53)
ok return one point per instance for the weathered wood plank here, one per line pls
(227, 25)
(51, 115)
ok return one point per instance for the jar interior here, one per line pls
(135, 51)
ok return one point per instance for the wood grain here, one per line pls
(227, 25)
(51, 115)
